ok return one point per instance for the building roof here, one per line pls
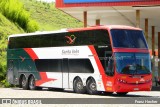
(122, 12)
(95, 3)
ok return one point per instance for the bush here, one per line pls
(5, 83)
(2, 68)
(32, 26)
(14, 11)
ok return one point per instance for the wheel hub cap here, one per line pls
(79, 85)
(93, 86)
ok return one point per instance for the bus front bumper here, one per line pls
(122, 87)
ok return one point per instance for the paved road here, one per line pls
(19, 93)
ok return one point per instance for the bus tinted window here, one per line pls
(128, 38)
(96, 37)
(12, 43)
(54, 65)
(80, 66)
(48, 65)
(90, 37)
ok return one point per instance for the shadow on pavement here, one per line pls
(156, 88)
(104, 94)
(100, 94)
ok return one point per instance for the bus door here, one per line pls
(65, 73)
(109, 70)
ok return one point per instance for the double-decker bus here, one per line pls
(94, 59)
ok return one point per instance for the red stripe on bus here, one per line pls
(44, 79)
(100, 67)
(43, 75)
(31, 53)
(130, 50)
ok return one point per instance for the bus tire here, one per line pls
(78, 86)
(32, 83)
(91, 87)
(121, 93)
(24, 83)
(20, 81)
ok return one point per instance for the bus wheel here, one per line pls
(78, 86)
(32, 83)
(91, 86)
(121, 93)
(20, 81)
(24, 83)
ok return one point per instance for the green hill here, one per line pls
(48, 17)
(6, 28)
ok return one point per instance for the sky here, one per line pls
(47, 0)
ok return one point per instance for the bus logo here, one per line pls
(22, 58)
(71, 39)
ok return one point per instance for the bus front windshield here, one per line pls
(133, 63)
(123, 38)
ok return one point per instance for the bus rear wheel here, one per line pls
(78, 86)
(20, 81)
(24, 83)
(32, 83)
(91, 86)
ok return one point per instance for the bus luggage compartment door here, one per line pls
(65, 73)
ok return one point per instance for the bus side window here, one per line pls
(110, 67)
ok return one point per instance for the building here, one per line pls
(140, 13)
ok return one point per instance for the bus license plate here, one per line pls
(136, 89)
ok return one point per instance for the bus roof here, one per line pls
(38, 33)
(122, 27)
(77, 29)
(109, 27)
